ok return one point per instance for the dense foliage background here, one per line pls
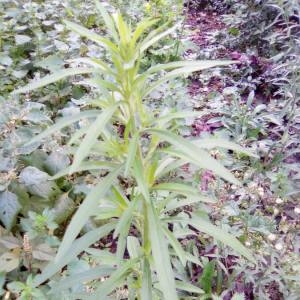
(253, 102)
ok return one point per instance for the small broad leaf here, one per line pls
(56, 162)
(37, 182)
(43, 252)
(9, 209)
(21, 39)
(8, 262)
(238, 296)
(64, 207)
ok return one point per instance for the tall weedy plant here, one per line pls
(144, 154)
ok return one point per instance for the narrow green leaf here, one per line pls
(83, 277)
(177, 115)
(222, 143)
(140, 29)
(63, 122)
(87, 166)
(175, 245)
(197, 66)
(93, 62)
(109, 23)
(175, 203)
(85, 210)
(117, 278)
(123, 227)
(146, 290)
(133, 247)
(148, 43)
(185, 286)
(195, 154)
(58, 75)
(220, 235)
(182, 189)
(91, 137)
(160, 255)
(203, 64)
(92, 36)
(133, 145)
(76, 248)
(140, 178)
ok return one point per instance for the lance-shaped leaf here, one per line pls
(161, 255)
(195, 154)
(82, 277)
(87, 166)
(182, 189)
(76, 248)
(63, 122)
(58, 75)
(116, 279)
(109, 23)
(85, 210)
(196, 66)
(92, 36)
(222, 143)
(92, 135)
(219, 234)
